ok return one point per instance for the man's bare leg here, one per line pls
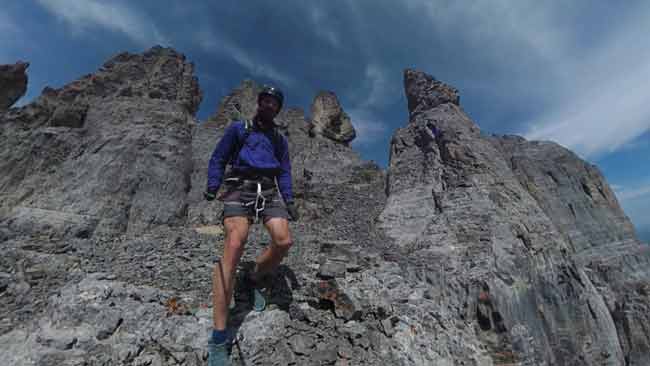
(281, 242)
(222, 276)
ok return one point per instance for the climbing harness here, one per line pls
(256, 202)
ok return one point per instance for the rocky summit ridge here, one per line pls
(469, 249)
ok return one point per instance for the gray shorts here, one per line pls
(244, 203)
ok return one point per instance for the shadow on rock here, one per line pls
(277, 288)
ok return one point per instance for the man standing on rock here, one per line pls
(259, 159)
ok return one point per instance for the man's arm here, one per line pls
(221, 156)
(284, 178)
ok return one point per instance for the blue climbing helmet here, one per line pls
(273, 92)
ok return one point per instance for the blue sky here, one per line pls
(573, 72)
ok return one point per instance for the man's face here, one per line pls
(268, 107)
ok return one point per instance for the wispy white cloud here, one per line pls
(82, 16)
(379, 87)
(605, 104)
(637, 211)
(640, 143)
(7, 25)
(368, 127)
(8, 31)
(502, 25)
(322, 27)
(628, 194)
(604, 116)
(616, 187)
(212, 42)
(597, 96)
(635, 200)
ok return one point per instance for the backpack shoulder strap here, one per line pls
(241, 139)
(248, 127)
(277, 143)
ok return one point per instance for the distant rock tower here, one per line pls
(241, 103)
(329, 120)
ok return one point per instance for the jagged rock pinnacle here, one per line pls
(424, 92)
(329, 119)
(121, 133)
(13, 83)
(240, 104)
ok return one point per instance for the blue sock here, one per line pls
(219, 336)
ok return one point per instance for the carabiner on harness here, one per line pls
(260, 202)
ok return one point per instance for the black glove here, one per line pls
(210, 194)
(293, 211)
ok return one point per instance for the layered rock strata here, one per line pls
(506, 232)
(109, 153)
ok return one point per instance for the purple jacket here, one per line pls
(263, 152)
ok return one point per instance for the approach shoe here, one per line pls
(218, 353)
(259, 300)
(256, 290)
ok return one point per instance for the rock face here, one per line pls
(329, 119)
(13, 83)
(521, 236)
(470, 249)
(107, 154)
(424, 92)
(575, 196)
